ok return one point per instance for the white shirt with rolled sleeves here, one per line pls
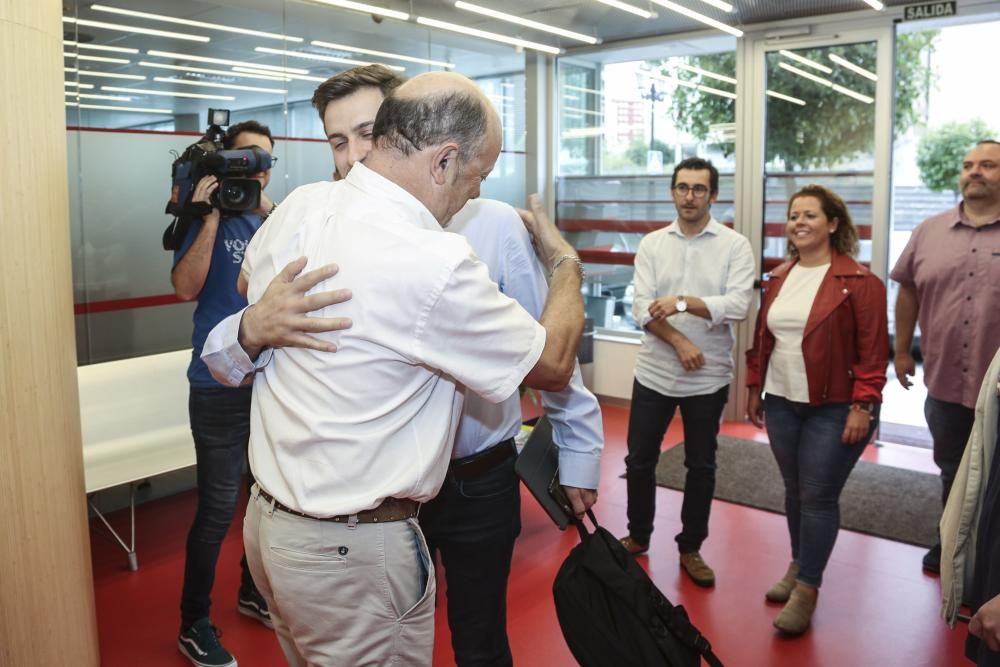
(716, 266)
(499, 238)
(334, 434)
(497, 235)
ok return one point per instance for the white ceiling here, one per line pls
(313, 21)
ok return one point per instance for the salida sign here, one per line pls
(930, 10)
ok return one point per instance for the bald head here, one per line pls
(433, 109)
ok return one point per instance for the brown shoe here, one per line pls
(781, 590)
(698, 569)
(633, 547)
(797, 614)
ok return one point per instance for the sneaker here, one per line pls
(932, 559)
(200, 644)
(698, 569)
(251, 603)
(633, 547)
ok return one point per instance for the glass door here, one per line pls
(816, 110)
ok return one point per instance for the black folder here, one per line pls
(538, 467)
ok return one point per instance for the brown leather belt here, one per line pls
(480, 463)
(391, 509)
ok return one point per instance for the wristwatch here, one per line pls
(681, 305)
(864, 406)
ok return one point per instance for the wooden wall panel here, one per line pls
(46, 587)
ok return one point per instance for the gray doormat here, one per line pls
(897, 504)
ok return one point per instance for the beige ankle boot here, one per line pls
(780, 591)
(794, 619)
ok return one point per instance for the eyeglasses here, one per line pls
(699, 191)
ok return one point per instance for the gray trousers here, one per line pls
(342, 596)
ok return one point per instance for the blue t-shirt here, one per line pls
(218, 298)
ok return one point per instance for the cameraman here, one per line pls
(206, 267)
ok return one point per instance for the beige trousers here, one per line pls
(342, 596)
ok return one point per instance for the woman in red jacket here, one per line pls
(820, 352)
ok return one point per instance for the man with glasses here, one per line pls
(693, 282)
(205, 269)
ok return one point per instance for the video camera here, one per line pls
(207, 157)
(236, 192)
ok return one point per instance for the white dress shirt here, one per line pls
(786, 320)
(499, 238)
(497, 235)
(334, 434)
(716, 266)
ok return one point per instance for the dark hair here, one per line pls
(698, 164)
(988, 141)
(414, 123)
(246, 126)
(351, 81)
(845, 238)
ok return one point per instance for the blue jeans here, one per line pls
(474, 523)
(220, 424)
(648, 420)
(815, 465)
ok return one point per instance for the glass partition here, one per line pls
(140, 77)
(625, 119)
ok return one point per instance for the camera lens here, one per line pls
(234, 194)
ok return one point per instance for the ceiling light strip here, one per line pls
(691, 14)
(258, 74)
(382, 54)
(99, 47)
(857, 69)
(228, 86)
(641, 13)
(94, 96)
(166, 93)
(805, 61)
(111, 75)
(114, 108)
(320, 57)
(528, 23)
(829, 84)
(705, 72)
(285, 77)
(719, 4)
(473, 32)
(136, 29)
(97, 59)
(365, 8)
(875, 4)
(76, 84)
(592, 91)
(224, 61)
(194, 24)
(787, 98)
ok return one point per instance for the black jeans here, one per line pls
(474, 523)
(220, 424)
(649, 418)
(950, 425)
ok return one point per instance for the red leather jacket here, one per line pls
(846, 340)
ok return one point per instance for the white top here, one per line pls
(717, 266)
(499, 238)
(337, 433)
(786, 320)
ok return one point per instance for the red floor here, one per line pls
(876, 607)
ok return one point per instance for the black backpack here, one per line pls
(611, 613)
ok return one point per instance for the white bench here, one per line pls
(134, 418)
